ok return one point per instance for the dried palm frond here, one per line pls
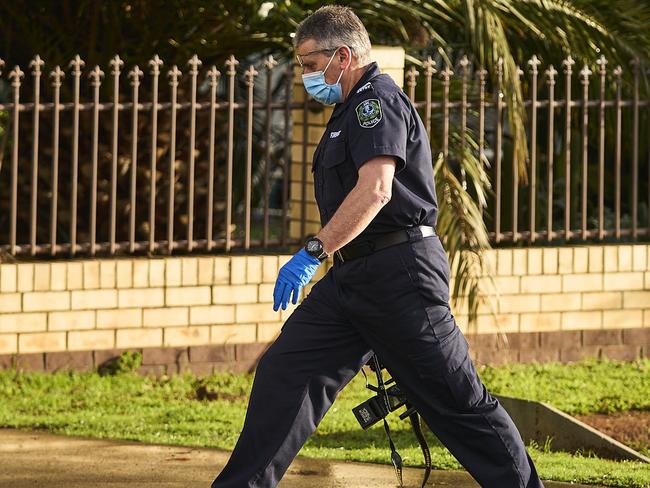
(461, 225)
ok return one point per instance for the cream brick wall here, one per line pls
(182, 301)
(567, 288)
(116, 303)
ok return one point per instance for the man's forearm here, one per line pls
(354, 214)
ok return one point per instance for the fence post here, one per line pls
(36, 63)
(15, 76)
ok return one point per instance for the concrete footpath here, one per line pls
(37, 459)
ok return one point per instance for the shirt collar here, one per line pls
(372, 70)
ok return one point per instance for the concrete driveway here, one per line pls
(37, 459)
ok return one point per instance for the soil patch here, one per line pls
(203, 393)
(632, 428)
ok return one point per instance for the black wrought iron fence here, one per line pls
(115, 170)
(588, 170)
(92, 166)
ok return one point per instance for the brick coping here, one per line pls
(237, 358)
(492, 349)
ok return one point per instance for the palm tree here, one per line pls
(499, 36)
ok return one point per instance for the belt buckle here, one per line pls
(338, 253)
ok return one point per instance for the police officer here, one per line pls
(387, 291)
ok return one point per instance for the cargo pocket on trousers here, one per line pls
(465, 386)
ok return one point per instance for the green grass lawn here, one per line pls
(167, 411)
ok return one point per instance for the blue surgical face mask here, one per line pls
(322, 91)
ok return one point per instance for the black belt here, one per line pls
(357, 250)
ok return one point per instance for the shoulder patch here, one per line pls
(369, 113)
(364, 87)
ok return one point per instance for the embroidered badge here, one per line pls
(369, 113)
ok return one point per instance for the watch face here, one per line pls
(313, 246)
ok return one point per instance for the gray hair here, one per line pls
(332, 26)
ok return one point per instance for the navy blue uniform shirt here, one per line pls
(377, 118)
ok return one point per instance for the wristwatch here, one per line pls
(314, 247)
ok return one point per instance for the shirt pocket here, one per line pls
(339, 175)
(334, 152)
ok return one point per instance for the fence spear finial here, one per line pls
(95, 75)
(77, 63)
(429, 66)
(585, 73)
(411, 75)
(551, 72)
(618, 73)
(447, 73)
(464, 65)
(16, 74)
(36, 63)
(116, 63)
(534, 62)
(270, 62)
(213, 74)
(251, 73)
(231, 62)
(155, 64)
(602, 62)
(174, 73)
(135, 74)
(194, 62)
(57, 73)
(568, 65)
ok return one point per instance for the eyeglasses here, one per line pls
(300, 56)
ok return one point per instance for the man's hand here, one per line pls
(298, 271)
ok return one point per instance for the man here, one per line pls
(387, 291)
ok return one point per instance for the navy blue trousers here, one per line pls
(394, 302)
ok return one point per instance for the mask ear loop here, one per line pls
(328, 65)
(341, 75)
(330, 61)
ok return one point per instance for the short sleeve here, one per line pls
(378, 127)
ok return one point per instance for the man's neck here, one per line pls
(352, 79)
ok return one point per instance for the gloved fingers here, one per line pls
(285, 295)
(278, 292)
(296, 292)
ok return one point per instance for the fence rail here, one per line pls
(170, 192)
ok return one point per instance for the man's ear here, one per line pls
(345, 54)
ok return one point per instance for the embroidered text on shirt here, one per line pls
(364, 87)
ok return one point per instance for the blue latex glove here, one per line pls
(295, 274)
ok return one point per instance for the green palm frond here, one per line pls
(494, 52)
